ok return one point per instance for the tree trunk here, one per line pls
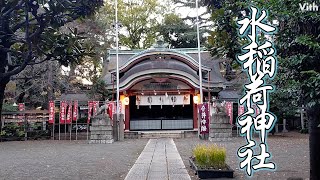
(314, 142)
(50, 84)
(3, 84)
(3, 64)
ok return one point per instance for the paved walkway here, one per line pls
(160, 160)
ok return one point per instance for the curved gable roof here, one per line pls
(140, 56)
(180, 63)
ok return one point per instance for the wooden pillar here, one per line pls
(127, 117)
(195, 115)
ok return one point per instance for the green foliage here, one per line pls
(12, 130)
(99, 91)
(138, 19)
(30, 34)
(38, 33)
(200, 154)
(298, 48)
(210, 156)
(83, 120)
(67, 47)
(9, 107)
(178, 33)
(297, 43)
(304, 131)
(3, 133)
(224, 40)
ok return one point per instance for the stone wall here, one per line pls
(101, 130)
(220, 128)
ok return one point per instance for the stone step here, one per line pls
(160, 134)
(151, 135)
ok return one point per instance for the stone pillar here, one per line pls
(118, 131)
(220, 128)
(44, 125)
(301, 116)
(284, 125)
(115, 128)
(101, 130)
(121, 127)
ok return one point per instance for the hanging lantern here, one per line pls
(161, 101)
(150, 101)
(138, 101)
(126, 101)
(195, 99)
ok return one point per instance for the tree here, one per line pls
(138, 21)
(298, 46)
(178, 33)
(204, 21)
(224, 40)
(29, 33)
(100, 91)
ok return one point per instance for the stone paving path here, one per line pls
(160, 160)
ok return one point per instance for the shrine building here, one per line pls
(159, 87)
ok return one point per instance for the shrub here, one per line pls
(304, 131)
(12, 130)
(210, 156)
(200, 155)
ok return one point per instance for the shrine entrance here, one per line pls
(159, 88)
(160, 117)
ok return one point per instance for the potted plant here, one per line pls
(209, 161)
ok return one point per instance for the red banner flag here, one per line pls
(51, 112)
(75, 111)
(107, 107)
(90, 107)
(240, 110)
(257, 109)
(21, 108)
(229, 108)
(95, 106)
(111, 109)
(203, 109)
(63, 107)
(69, 113)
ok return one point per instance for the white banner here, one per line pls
(163, 100)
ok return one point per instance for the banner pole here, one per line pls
(53, 130)
(76, 129)
(65, 131)
(87, 131)
(71, 119)
(199, 61)
(117, 68)
(54, 118)
(77, 126)
(65, 124)
(59, 120)
(70, 129)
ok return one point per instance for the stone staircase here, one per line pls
(160, 134)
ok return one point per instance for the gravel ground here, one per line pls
(68, 160)
(290, 154)
(79, 160)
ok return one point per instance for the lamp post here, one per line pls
(200, 68)
(117, 69)
(199, 55)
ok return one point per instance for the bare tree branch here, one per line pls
(13, 8)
